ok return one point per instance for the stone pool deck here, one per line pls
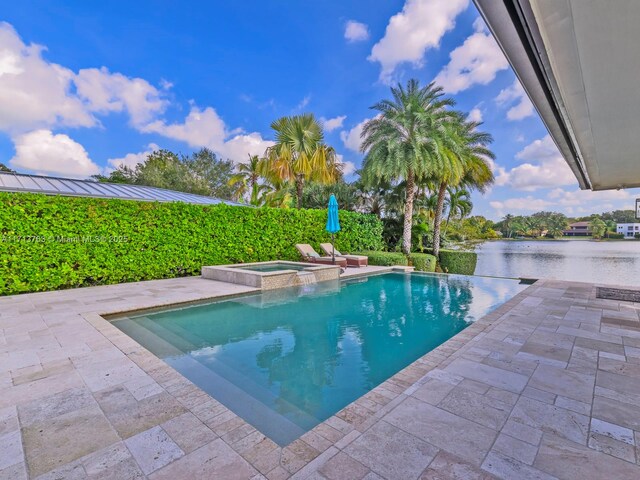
(547, 386)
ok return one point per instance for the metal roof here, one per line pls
(18, 182)
(579, 62)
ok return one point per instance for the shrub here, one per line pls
(423, 262)
(55, 242)
(385, 259)
(458, 261)
(616, 236)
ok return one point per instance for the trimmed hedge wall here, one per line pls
(385, 259)
(55, 242)
(451, 261)
(458, 261)
(423, 262)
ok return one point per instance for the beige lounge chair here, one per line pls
(352, 260)
(311, 256)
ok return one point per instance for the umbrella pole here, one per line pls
(333, 248)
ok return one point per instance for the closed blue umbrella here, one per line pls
(333, 223)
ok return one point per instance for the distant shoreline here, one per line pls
(561, 239)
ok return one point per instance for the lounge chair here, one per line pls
(311, 256)
(352, 260)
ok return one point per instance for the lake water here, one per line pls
(580, 260)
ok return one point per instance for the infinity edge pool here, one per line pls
(271, 298)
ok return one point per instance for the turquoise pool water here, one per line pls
(273, 267)
(288, 359)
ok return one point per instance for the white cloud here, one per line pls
(528, 203)
(570, 202)
(39, 95)
(43, 152)
(514, 95)
(33, 92)
(476, 61)
(417, 28)
(351, 138)
(543, 167)
(579, 197)
(330, 124)
(475, 115)
(356, 31)
(132, 159)
(501, 177)
(205, 128)
(238, 147)
(201, 128)
(303, 103)
(348, 168)
(105, 92)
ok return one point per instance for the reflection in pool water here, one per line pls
(288, 359)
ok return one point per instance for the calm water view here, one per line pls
(580, 260)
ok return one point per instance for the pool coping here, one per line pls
(57, 350)
(349, 422)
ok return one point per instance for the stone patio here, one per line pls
(547, 386)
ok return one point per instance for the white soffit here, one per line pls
(594, 50)
(579, 61)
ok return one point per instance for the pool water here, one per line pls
(273, 267)
(288, 359)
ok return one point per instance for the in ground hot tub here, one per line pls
(272, 275)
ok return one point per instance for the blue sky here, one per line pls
(86, 86)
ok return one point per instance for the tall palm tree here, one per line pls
(462, 160)
(402, 138)
(519, 225)
(459, 204)
(300, 153)
(247, 179)
(507, 224)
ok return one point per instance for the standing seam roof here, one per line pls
(19, 182)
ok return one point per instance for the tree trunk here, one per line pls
(408, 213)
(438, 219)
(299, 189)
(446, 227)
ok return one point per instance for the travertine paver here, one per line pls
(547, 386)
(153, 449)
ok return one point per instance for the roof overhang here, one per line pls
(579, 62)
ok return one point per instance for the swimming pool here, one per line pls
(288, 359)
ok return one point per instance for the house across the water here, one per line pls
(578, 229)
(629, 230)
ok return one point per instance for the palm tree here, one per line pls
(401, 139)
(459, 204)
(300, 153)
(507, 224)
(556, 225)
(461, 160)
(247, 179)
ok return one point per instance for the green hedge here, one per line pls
(385, 259)
(54, 242)
(615, 236)
(458, 261)
(423, 262)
